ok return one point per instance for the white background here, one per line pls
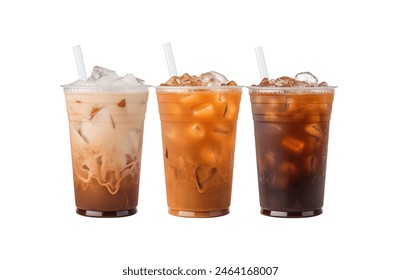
(352, 44)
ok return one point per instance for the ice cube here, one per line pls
(314, 118)
(197, 130)
(87, 131)
(187, 80)
(184, 80)
(94, 111)
(205, 176)
(313, 144)
(128, 80)
(284, 175)
(230, 111)
(170, 132)
(106, 80)
(99, 72)
(205, 78)
(265, 83)
(293, 144)
(102, 76)
(287, 102)
(307, 77)
(77, 135)
(193, 83)
(173, 81)
(218, 78)
(311, 164)
(283, 82)
(314, 129)
(270, 159)
(118, 83)
(208, 155)
(203, 109)
(288, 82)
(288, 168)
(222, 130)
(83, 136)
(274, 128)
(222, 98)
(213, 78)
(302, 79)
(191, 98)
(230, 83)
(101, 115)
(80, 83)
(179, 163)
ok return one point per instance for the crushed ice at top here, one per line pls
(104, 77)
(302, 79)
(211, 78)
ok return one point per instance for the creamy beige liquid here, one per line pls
(106, 132)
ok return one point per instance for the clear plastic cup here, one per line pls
(198, 132)
(291, 138)
(106, 132)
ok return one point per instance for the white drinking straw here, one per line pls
(79, 60)
(261, 62)
(168, 52)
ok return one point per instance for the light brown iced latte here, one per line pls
(106, 117)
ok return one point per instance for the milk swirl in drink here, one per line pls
(106, 119)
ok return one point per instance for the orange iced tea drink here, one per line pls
(198, 131)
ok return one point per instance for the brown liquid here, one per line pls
(198, 132)
(106, 144)
(291, 136)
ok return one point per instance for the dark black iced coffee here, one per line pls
(291, 120)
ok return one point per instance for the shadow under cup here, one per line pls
(198, 133)
(106, 132)
(291, 138)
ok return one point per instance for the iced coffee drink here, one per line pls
(198, 119)
(291, 120)
(106, 117)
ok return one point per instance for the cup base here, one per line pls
(198, 214)
(106, 214)
(285, 214)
